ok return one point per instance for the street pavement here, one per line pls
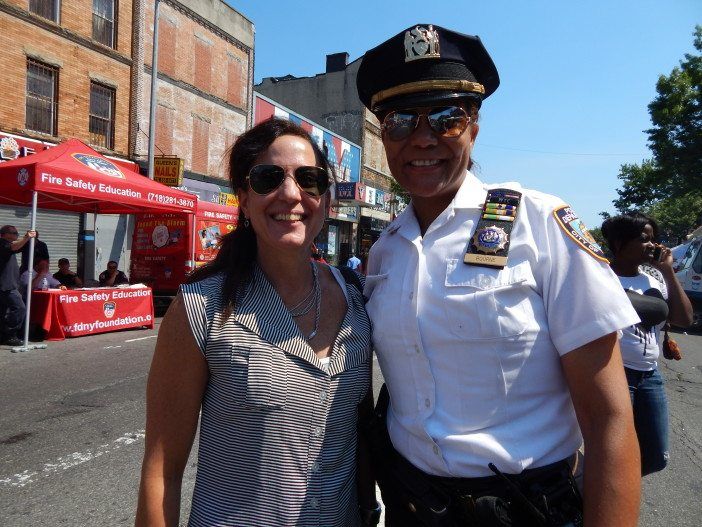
(72, 434)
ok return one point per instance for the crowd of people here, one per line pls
(15, 277)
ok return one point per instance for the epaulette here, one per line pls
(489, 245)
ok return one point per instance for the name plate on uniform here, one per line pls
(489, 245)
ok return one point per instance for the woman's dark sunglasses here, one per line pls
(447, 121)
(264, 179)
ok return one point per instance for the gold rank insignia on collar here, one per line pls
(422, 43)
(489, 245)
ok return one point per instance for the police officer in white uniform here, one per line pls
(495, 319)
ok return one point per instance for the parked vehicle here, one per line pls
(166, 247)
(689, 272)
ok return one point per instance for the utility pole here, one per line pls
(152, 102)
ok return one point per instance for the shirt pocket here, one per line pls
(483, 303)
(258, 377)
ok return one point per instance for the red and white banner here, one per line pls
(73, 313)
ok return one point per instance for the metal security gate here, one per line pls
(58, 229)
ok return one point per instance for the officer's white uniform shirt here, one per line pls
(471, 355)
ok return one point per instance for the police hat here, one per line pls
(423, 65)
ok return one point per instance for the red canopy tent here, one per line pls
(73, 176)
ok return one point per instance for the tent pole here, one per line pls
(30, 270)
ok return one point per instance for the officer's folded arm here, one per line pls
(612, 475)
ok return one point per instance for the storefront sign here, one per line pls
(228, 199)
(331, 240)
(168, 170)
(351, 193)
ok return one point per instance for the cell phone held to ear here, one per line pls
(657, 254)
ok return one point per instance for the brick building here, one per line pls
(66, 69)
(81, 68)
(204, 95)
(330, 99)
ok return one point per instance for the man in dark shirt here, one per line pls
(66, 276)
(12, 308)
(112, 276)
(41, 252)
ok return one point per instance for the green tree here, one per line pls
(669, 185)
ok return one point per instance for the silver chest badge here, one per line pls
(421, 43)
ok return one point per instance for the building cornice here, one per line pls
(209, 25)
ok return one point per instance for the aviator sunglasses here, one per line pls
(446, 121)
(264, 179)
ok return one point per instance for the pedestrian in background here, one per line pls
(495, 318)
(12, 309)
(276, 351)
(112, 275)
(41, 277)
(632, 240)
(353, 262)
(65, 275)
(41, 252)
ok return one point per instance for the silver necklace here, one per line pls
(313, 298)
(304, 305)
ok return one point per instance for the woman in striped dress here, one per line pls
(275, 351)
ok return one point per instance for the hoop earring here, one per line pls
(247, 223)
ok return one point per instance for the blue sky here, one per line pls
(576, 77)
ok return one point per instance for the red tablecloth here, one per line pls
(73, 313)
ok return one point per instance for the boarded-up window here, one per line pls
(166, 46)
(235, 82)
(201, 140)
(203, 65)
(164, 131)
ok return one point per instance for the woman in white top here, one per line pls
(632, 240)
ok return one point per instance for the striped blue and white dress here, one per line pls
(278, 427)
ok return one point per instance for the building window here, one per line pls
(42, 97)
(48, 9)
(104, 21)
(102, 115)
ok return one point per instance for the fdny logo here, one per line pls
(22, 176)
(109, 309)
(421, 43)
(99, 164)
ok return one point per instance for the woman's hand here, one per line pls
(665, 262)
